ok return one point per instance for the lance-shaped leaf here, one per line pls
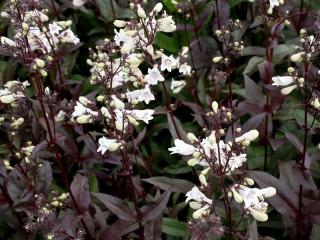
(117, 206)
(80, 191)
(170, 184)
(155, 210)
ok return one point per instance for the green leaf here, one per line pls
(170, 184)
(252, 65)
(174, 227)
(167, 43)
(110, 10)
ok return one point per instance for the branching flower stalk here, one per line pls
(221, 160)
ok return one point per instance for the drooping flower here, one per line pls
(80, 110)
(198, 201)
(182, 148)
(253, 199)
(106, 144)
(166, 24)
(141, 95)
(78, 3)
(142, 115)
(282, 81)
(185, 69)
(177, 86)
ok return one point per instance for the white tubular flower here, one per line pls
(141, 13)
(201, 212)
(141, 115)
(117, 103)
(168, 63)
(121, 122)
(78, 3)
(7, 41)
(7, 99)
(253, 199)
(166, 24)
(185, 69)
(27, 150)
(287, 90)
(154, 76)
(61, 116)
(298, 57)
(177, 86)
(196, 195)
(68, 36)
(248, 136)
(16, 124)
(105, 112)
(182, 148)
(119, 23)
(215, 106)
(80, 110)
(282, 81)
(273, 3)
(315, 103)
(197, 200)
(141, 95)
(106, 144)
(54, 28)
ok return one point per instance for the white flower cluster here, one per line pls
(34, 36)
(115, 65)
(222, 159)
(13, 92)
(253, 199)
(304, 52)
(199, 202)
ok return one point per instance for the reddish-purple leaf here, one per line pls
(80, 190)
(154, 210)
(116, 206)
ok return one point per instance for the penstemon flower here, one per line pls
(253, 199)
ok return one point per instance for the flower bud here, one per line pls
(215, 106)
(84, 119)
(118, 104)
(192, 162)
(43, 73)
(119, 23)
(84, 101)
(192, 138)
(212, 138)
(158, 7)
(105, 112)
(7, 99)
(316, 103)
(114, 147)
(40, 63)
(237, 197)
(217, 59)
(298, 57)
(290, 69)
(249, 181)
(17, 123)
(259, 216)
(203, 180)
(141, 12)
(287, 90)
(195, 205)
